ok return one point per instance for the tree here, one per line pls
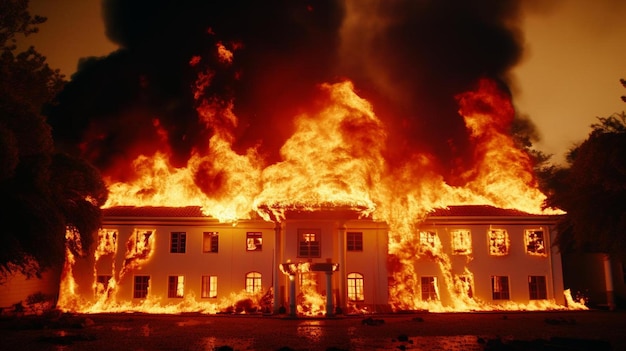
(592, 190)
(42, 192)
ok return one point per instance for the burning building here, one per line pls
(326, 160)
(176, 259)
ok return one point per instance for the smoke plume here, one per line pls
(410, 58)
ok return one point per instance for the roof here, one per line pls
(479, 211)
(150, 211)
(196, 211)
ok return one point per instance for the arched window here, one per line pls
(355, 287)
(253, 282)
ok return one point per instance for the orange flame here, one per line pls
(336, 158)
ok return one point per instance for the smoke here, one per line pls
(410, 58)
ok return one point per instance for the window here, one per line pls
(175, 286)
(140, 244)
(461, 242)
(210, 242)
(427, 241)
(107, 243)
(209, 286)
(354, 241)
(500, 287)
(355, 287)
(253, 282)
(142, 283)
(466, 283)
(178, 242)
(534, 242)
(309, 243)
(537, 287)
(254, 241)
(429, 289)
(498, 242)
(102, 284)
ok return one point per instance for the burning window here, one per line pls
(102, 283)
(466, 285)
(429, 288)
(461, 242)
(210, 242)
(253, 282)
(534, 242)
(498, 242)
(140, 244)
(107, 243)
(254, 241)
(178, 242)
(175, 286)
(355, 287)
(142, 284)
(309, 243)
(537, 287)
(209, 286)
(427, 241)
(354, 241)
(499, 287)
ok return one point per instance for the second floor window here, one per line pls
(534, 242)
(309, 243)
(254, 241)
(461, 242)
(210, 242)
(178, 242)
(498, 242)
(354, 241)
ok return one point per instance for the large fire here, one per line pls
(335, 157)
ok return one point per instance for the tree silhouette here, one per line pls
(41, 191)
(592, 190)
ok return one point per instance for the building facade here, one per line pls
(316, 263)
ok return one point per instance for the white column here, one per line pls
(278, 275)
(292, 295)
(608, 281)
(341, 245)
(330, 309)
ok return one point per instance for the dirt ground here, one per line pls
(558, 330)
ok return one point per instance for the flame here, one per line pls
(335, 158)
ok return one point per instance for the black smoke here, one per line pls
(410, 58)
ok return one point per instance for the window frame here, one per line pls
(253, 283)
(354, 241)
(305, 248)
(458, 249)
(528, 242)
(355, 283)
(214, 243)
(178, 242)
(254, 241)
(500, 287)
(427, 240)
(208, 287)
(141, 289)
(429, 288)
(496, 243)
(537, 287)
(176, 286)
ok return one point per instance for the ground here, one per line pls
(554, 330)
